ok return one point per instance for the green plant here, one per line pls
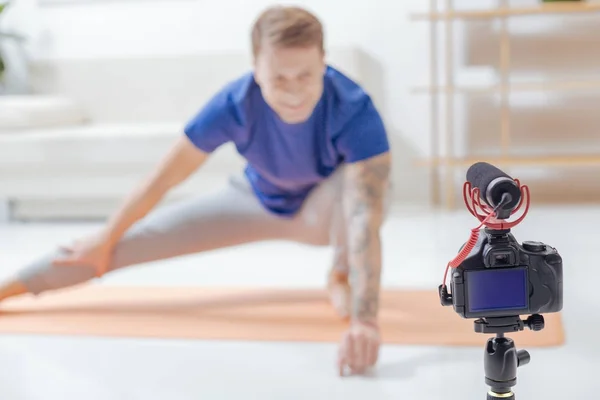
(6, 36)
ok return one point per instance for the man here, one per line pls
(318, 173)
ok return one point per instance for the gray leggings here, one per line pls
(229, 217)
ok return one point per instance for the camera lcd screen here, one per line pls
(497, 289)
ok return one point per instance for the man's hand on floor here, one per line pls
(359, 349)
(360, 344)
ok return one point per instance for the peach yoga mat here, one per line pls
(408, 317)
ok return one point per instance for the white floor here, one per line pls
(417, 247)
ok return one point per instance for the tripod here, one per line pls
(501, 358)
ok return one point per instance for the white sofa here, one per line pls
(96, 127)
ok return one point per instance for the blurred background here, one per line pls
(93, 93)
(94, 90)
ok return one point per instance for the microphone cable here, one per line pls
(474, 237)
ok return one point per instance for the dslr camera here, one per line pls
(495, 279)
(503, 278)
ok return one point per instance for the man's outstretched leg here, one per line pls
(229, 217)
(12, 288)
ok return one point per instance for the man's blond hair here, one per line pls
(287, 27)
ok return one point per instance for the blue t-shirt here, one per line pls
(286, 161)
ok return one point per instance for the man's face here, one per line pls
(291, 80)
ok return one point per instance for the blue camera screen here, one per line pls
(497, 289)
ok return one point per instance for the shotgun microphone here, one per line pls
(496, 188)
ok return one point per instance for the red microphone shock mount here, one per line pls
(486, 215)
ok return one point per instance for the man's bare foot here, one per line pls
(11, 289)
(339, 293)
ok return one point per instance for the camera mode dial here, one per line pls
(536, 247)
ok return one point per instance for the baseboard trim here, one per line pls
(68, 210)
(63, 210)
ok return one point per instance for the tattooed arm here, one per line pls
(365, 186)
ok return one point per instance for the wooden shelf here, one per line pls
(445, 162)
(552, 86)
(543, 9)
(575, 160)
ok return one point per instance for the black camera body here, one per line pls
(503, 278)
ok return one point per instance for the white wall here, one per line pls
(398, 47)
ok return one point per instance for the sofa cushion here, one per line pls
(105, 148)
(22, 112)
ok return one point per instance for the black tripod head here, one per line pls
(501, 358)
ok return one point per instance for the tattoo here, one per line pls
(365, 188)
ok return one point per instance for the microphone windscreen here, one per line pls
(482, 174)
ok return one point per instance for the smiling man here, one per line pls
(318, 167)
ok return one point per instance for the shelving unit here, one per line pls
(443, 167)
